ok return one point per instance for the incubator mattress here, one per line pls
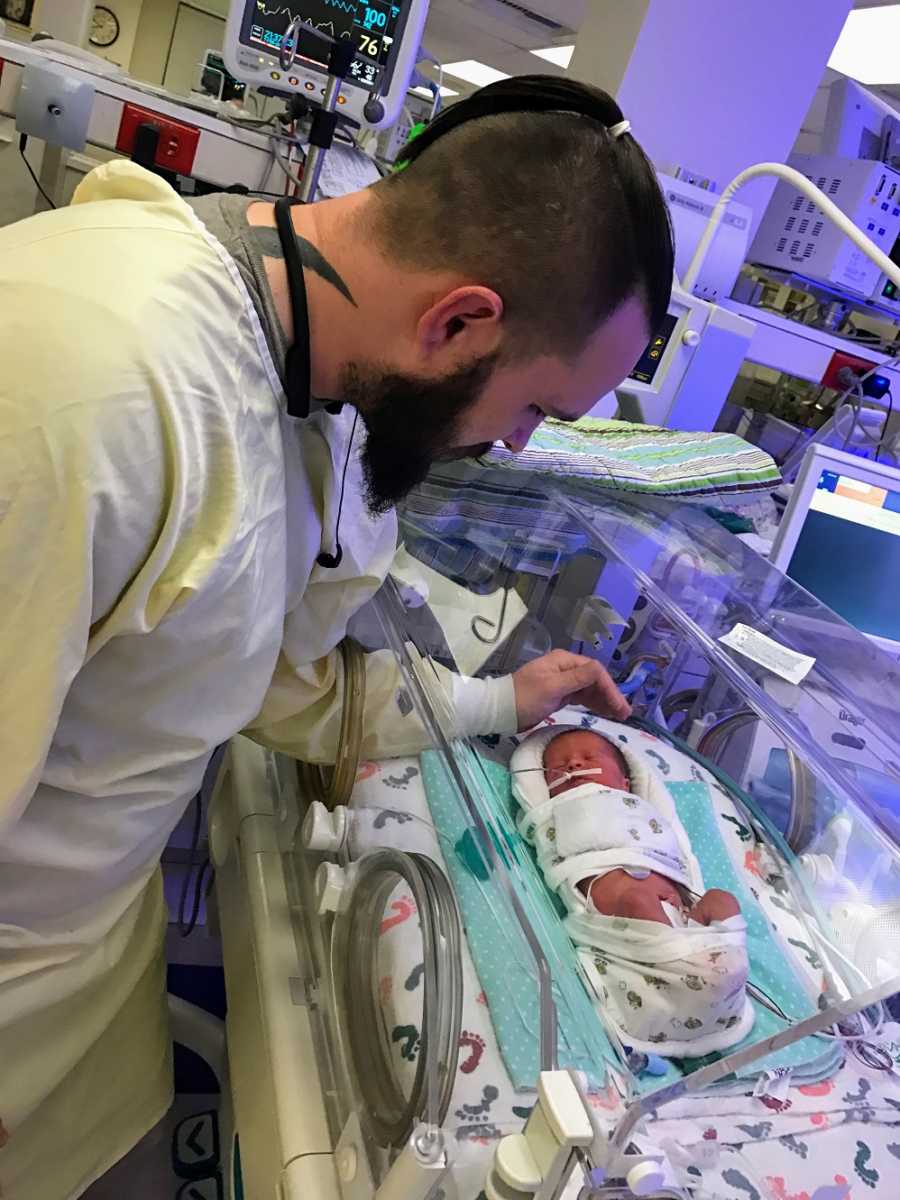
(737, 1146)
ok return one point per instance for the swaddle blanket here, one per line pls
(592, 829)
(676, 989)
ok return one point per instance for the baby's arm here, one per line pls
(617, 894)
(715, 905)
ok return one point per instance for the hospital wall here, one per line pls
(128, 14)
(155, 32)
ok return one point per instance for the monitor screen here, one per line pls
(374, 24)
(848, 553)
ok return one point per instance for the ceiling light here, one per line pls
(475, 72)
(424, 91)
(561, 55)
(867, 47)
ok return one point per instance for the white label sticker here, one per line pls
(770, 654)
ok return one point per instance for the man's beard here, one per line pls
(410, 423)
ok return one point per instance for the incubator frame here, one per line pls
(399, 1127)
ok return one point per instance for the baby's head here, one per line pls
(584, 750)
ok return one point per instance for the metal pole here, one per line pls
(316, 155)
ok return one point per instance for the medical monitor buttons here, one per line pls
(691, 338)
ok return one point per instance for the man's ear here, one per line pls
(468, 316)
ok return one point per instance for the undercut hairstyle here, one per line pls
(564, 221)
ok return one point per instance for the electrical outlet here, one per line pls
(833, 377)
(178, 141)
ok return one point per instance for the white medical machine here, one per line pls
(407, 1017)
(283, 47)
(861, 128)
(781, 343)
(684, 375)
(839, 539)
(860, 124)
(794, 235)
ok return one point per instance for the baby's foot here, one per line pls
(476, 1047)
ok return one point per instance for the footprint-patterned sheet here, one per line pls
(834, 1140)
(390, 799)
(838, 1139)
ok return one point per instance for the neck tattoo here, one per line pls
(269, 245)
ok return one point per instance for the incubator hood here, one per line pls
(447, 999)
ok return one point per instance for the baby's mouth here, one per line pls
(572, 779)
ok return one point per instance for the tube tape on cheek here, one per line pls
(526, 765)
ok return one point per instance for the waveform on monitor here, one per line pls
(277, 10)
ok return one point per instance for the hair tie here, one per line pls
(616, 131)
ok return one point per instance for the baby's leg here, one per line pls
(715, 905)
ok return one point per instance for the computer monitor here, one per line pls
(387, 34)
(840, 540)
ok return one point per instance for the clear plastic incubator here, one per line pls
(416, 1010)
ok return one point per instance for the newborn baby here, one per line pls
(667, 958)
(581, 756)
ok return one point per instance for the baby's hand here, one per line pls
(618, 895)
(715, 905)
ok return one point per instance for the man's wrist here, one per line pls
(484, 705)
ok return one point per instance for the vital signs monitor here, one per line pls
(840, 539)
(266, 49)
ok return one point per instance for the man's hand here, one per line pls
(561, 678)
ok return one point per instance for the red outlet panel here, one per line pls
(831, 378)
(178, 141)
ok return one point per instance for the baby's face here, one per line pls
(583, 750)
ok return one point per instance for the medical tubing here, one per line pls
(333, 785)
(390, 1115)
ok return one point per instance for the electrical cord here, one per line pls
(292, 176)
(201, 886)
(887, 421)
(185, 928)
(23, 142)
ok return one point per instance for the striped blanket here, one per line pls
(470, 517)
(643, 458)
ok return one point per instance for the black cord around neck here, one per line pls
(324, 559)
(297, 364)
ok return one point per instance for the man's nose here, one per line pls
(518, 440)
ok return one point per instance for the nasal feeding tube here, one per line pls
(564, 778)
